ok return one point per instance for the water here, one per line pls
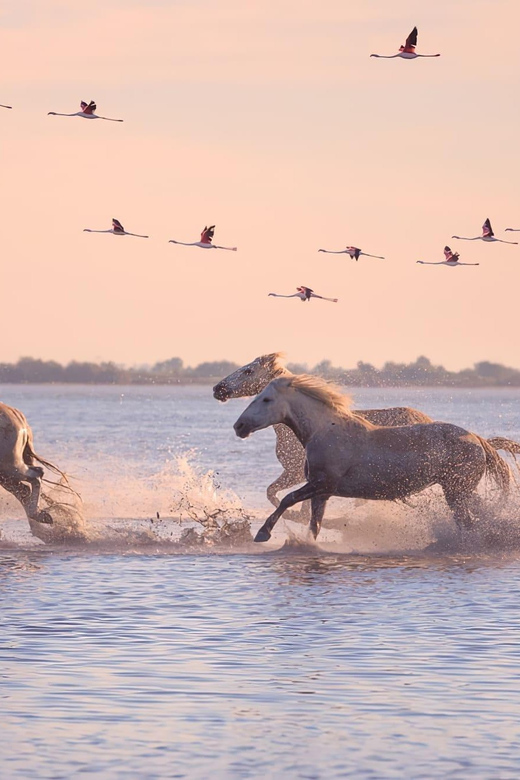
(387, 653)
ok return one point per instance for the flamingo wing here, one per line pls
(487, 230)
(117, 226)
(207, 234)
(88, 108)
(411, 43)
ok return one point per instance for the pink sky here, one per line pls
(271, 121)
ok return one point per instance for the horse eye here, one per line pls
(267, 400)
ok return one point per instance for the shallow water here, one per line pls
(397, 657)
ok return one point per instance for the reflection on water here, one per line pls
(282, 664)
(390, 650)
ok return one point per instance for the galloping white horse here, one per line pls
(18, 472)
(252, 378)
(350, 457)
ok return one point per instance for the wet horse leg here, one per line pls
(318, 504)
(302, 494)
(459, 503)
(27, 489)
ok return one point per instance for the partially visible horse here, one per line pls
(252, 378)
(19, 473)
(349, 456)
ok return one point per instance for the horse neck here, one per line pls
(273, 374)
(306, 416)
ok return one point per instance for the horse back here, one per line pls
(394, 416)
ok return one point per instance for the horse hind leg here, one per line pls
(318, 504)
(459, 502)
(26, 487)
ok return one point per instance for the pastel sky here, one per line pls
(271, 121)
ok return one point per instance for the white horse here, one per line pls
(252, 378)
(19, 473)
(350, 457)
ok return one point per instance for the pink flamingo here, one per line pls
(487, 235)
(452, 259)
(87, 112)
(407, 52)
(304, 294)
(353, 251)
(117, 230)
(206, 237)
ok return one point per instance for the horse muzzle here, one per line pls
(220, 392)
(242, 429)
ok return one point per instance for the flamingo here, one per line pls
(87, 112)
(407, 52)
(117, 230)
(353, 251)
(206, 237)
(2, 106)
(304, 294)
(487, 235)
(452, 259)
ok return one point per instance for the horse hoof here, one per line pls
(45, 517)
(262, 536)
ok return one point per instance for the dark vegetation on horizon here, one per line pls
(422, 372)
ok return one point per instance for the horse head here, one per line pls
(251, 379)
(268, 408)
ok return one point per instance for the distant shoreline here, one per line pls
(210, 381)
(421, 373)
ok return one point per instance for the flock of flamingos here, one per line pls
(407, 52)
(374, 454)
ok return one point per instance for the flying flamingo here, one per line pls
(206, 237)
(487, 235)
(452, 258)
(304, 294)
(353, 251)
(2, 106)
(117, 230)
(407, 52)
(87, 112)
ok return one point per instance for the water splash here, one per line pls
(180, 506)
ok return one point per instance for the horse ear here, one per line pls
(266, 360)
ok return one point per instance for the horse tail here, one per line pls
(30, 454)
(508, 445)
(496, 467)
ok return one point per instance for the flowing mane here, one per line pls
(323, 391)
(275, 362)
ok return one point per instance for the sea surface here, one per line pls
(390, 649)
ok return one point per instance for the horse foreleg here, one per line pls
(302, 494)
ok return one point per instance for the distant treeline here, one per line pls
(422, 372)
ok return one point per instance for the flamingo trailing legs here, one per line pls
(117, 230)
(304, 294)
(206, 238)
(87, 112)
(406, 52)
(487, 235)
(452, 258)
(353, 251)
